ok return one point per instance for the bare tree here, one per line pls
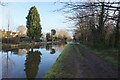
(91, 19)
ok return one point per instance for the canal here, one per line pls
(29, 62)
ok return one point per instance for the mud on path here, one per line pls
(81, 63)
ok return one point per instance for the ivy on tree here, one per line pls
(33, 23)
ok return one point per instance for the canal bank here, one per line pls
(76, 61)
(10, 46)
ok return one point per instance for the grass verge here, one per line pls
(55, 71)
(109, 55)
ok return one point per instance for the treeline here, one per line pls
(16, 40)
(61, 36)
(97, 23)
(54, 36)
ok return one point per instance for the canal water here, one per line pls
(29, 62)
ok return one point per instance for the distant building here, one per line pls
(13, 34)
(6, 34)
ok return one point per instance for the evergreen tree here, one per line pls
(53, 32)
(33, 23)
(48, 37)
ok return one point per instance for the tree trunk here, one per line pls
(101, 27)
(117, 32)
(33, 41)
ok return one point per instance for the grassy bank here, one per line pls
(23, 44)
(65, 63)
(56, 68)
(108, 55)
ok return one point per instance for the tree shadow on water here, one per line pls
(48, 46)
(32, 62)
(52, 51)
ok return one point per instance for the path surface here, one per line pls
(81, 63)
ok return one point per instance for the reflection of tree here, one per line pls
(22, 52)
(7, 64)
(52, 51)
(48, 46)
(59, 47)
(55, 47)
(32, 63)
(14, 50)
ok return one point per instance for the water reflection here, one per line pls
(52, 51)
(48, 46)
(59, 47)
(22, 52)
(32, 62)
(24, 62)
(7, 64)
(54, 47)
